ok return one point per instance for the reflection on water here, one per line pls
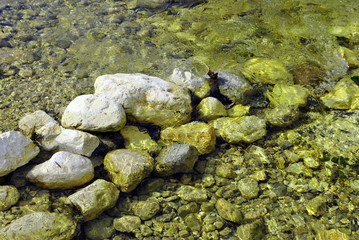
(49, 48)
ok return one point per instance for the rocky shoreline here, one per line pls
(253, 156)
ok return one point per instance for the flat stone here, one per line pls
(288, 95)
(77, 142)
(16, 150)
(99, 228)
(192, 194)
(9, 195)
(244, 129)
(94, 113)
(198, 134)
(332, 234)
(40, 225)
(95, 198)
(127, 168)
(147, 99)
(63, 170)
(283, 115)
(176, 158)
(127, 224)
(316, 206)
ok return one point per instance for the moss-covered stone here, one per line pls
(198, 134)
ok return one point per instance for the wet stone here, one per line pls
(127, 224)
(249, 188)
(191, 207)
(146, 209)
(210, 108)
(316, 206)
(9, 195)
(99, 228)
(228, 211)
(283, 116)
(254, 230)
(192, 194)
(193, 222)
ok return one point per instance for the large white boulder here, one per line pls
(147, 99)
(63, 170)
(15, 151)
(94, 113)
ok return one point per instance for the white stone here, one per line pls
(63, 170)
(34, 121)
(47, 135)
(198, 85)
(40, 226)
(94, 113)
(15, 151)
(147, 99)
(77, 142)
(95, 198)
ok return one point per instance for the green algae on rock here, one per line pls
(198, 134)
(244, 129)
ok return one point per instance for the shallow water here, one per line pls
(52, 51)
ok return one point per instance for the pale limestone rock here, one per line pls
(199, 134)
(344, 95)
(127, 168)
(95, 198)
(77, 142)
(138, 140)
(198, 85)
(15, 151)
(176, 158)
(244, 129)
(63, 170)
(210, 108)
(94, 113)
(40, 226)
(34, 121)
(288, 95)
(9, 195)
(147, 99)
(267, 71)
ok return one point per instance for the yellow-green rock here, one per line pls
(210, 108)
(138, 140)
(9, 195)
(244, 129)
(127, 168)
(316, 206)
(344, 95)
(290, 95)
(283, 115)
(267, 71)
(199, 134)
(238, 110)
(332, 234)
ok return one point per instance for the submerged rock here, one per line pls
(210, 108)
(40, 225)
(94, 113)
(9, 195)
(63, 170)
(238, 110)
(344, 95)
(288, 95)
(244, 129)
(176, 158)
(198, 85)
(95, 198)
(15, 151)
(283, 116)
(267, 71)
(192, 194)
(228, 211)
(127, 168)
(127, 224)
(138, 140)
(147, 99)
(316, 206)
(249, 188)
(146, 209)
(31, 123)
(198, 134)
(236, 88)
